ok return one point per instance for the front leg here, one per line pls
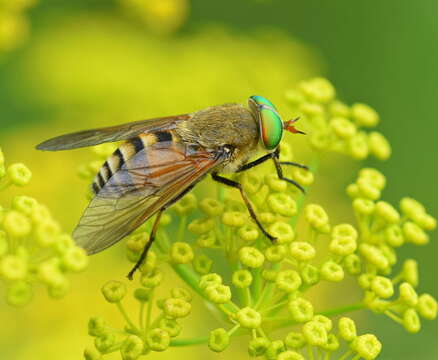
(237, 185)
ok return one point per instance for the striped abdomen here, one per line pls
(112, 166)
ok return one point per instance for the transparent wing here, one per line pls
(147, 182)
(109, 134)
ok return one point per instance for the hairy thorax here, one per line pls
(230, 125)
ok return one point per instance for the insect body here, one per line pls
(163, 158)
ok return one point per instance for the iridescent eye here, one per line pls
(271, 125)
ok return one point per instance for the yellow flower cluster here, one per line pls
(334, 126)
(33, 248)
(263, 285)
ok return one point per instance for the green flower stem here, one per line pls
(149, 311)
(247, 297)
(235, 331)
(188, 342)
(276, 306)
(182, 227)
(346, 355)
(284, 322)
(141, 316)
(310, 352)
(6, 183)
(126, 317)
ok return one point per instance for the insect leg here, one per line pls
(154, 230)
(301, 166)
(237, 185)
(280, 175)
(255, 162)
(148, 244)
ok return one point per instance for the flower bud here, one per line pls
(218, 294)
(275, 183)
(408, 295)
(310, 274)
(249, 318)
(181, 293)
(374, 256)
(91, 354)
(114, 291)
(367, 346)
(358, 146)
(97, 326)
(104, 342)
(142, 294)
(379, 146)
(332, 271)
(151, 279)
(176, 308)
(207, 240)
(364, 115)
(317, 217)
(275, 253)
(46, 232)
(19, 293)
(363, 206)
(218, 340)
(295, 340)
(282, 231)
(201, 226)
(13, 267)
(211, 207)
(367, 189)
(242, 279)
(269, 275)
(282, 204)
(75, 259)
(302, 176)
(382, 287)
(302, 251)
(251, 257)
(209, 279)
(300, 310)
(170, 326)
(324, 321)
(202, 264)
(258, 346)
(411, 321)
(248, 233)
(158, 339)
(275, 348)
(19, 174)
(352, 264)
(234, 218)
(16, 224)
(394, 235)
(132, 347)
(315, 333)
(427, 306)
(186, 205)
(251, 182)
(387, 212)
(414, 234)
(347, 329)
(343, 127)
(181, 253)
(24, 204)
(288, 280)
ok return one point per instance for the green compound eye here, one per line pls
(271, 125)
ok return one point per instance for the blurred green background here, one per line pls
(69, 65)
